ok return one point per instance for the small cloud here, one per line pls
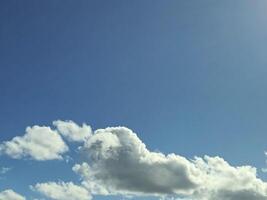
(39, 143)
(68, 159)
(4, 170)
(10, 195)
(62, 191)
(72, 131)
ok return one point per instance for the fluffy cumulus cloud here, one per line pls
(10, 195)
(38, 143)
(62, 191)
(72, 131)
(118, 162)
(221, 181)
(122, 164)
(115, 161)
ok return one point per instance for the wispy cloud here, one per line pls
(4, 170)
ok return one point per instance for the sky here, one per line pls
(188, 77)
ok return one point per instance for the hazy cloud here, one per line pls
(4, 170)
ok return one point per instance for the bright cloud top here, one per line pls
(10, 195)
(72, 131)
(116, 162)
(45, 143)
(38, 143)
(119, 163)
(61, 190)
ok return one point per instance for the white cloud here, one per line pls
(62, 191)
(10, 195)
(38, 143)
(118, 162)
(72, 131)
(221, 181)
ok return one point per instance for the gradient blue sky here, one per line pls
(188, 76)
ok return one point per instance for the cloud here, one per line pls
(115, 161)
(10, 195)
(121, 163)
(62, 191)
(4, 170)
(39, 143)
(72, 132)
(118, 162)
(221, 181)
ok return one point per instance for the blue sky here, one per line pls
(189, 77)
